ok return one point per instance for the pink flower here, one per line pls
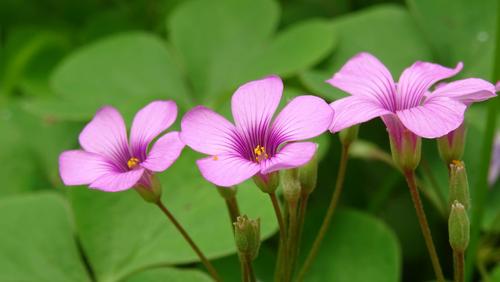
(255, 145)
(407, 105)
(109, 162)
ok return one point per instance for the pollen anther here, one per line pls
(260, 153)
(132, 162)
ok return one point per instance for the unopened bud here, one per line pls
(459, 186)
(247, 236)
(291, 185)
(458, 227)
(406, 150)
(268, 183)
(348, 135)
(451, 146)
(308, 175)
(149, 189)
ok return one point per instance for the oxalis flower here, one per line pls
(408, 108)
(110, 162)
(255, 145)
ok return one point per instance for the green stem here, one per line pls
(458, 259)
(251, 273)
(302, 219)
(190, 241)
(282, 246)
(292, 240)
(412, 185)
(329, 213)
(233, 209)
(244, 270)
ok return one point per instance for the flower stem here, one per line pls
(251, 273)
(244, 270)
(329, 213)
(302, 219)
(282, 246)
(190, 241)
(291, 240)
(412, 185)
(458, 259)
(233, 210)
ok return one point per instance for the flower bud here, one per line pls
(348, 135)
(247, 236)
(406, 151)
(308, 175)
(268, 183)
(459, 186)
(451, 146)
(227, 192)
(291, 185)
(458, 227)
(149, 188)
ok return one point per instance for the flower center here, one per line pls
(260, 153)
(132, 162)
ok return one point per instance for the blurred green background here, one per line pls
(61, 60)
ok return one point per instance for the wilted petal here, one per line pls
(254, 103)
(78, 167)
(164, 152)
(365, 75)
(435, 118)
(354, 110)
(227, 170)
(106, 135)
(304, 117)
(290, 156)
(207, 132)
(148, 123)
(467, 91)
(417, 79)
(118, 181)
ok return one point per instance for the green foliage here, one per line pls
(37, 240)
(356, 239)
(169, 274)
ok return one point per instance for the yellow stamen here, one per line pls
(216, 158)
(132, 162)
(260, 153)
(457, 163)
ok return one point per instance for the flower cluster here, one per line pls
(257, 144)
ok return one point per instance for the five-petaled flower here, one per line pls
(407, 106)
(255, 145)
(109, 162)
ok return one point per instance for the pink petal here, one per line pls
(207, 132)
(118, 181)
(467, 91)
(148, 123)
(435, 118)
(304, 117)
(254, 103)
(78, 167)
(417, 79)
(290, 156)
(164, 152)
(365, 75)
(106, 135)
(354, 110)
(227, 170)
